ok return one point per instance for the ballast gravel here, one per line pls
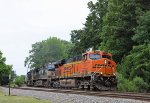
(67, 98)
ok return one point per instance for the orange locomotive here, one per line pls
(96, 69)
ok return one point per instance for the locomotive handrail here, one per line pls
(92, 76)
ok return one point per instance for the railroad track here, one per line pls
(112, 94)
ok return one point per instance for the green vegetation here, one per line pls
(4, 69)
(121, 27)
(135, 85)
(47, 51)
(19, 80)
(136, 65)
(19, 99)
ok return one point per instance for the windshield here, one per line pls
(106, 56)
(51, 66)
(94, 56)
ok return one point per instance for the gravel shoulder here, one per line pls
(67, 98)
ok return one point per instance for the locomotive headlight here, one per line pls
(101, 73)
(114, 73)
(105, 62)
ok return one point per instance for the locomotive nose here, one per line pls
(108, 63)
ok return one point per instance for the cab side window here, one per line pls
(85, 57)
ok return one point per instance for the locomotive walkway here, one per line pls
(135, 96)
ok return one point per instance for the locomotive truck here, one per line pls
(91, 70)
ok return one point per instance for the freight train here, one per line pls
(91, 70)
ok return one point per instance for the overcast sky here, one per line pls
(24, 22)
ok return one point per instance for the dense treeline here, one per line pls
(121, 27)
(5, 70)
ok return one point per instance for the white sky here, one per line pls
(24, 22)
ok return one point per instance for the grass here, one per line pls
(19, 99)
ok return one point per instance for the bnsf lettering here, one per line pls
(101, 66)
(67, 68)
(97, 66)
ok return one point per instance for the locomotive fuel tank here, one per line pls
(68, 83)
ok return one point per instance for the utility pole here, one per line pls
(9, 83)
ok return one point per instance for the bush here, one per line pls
(13, 84)
(135, 85)
(125, 85)
(19, 80)
(140, 84)
(135, 69)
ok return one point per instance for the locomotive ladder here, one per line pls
(92, 78)
(93, 75)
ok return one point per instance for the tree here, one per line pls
(137, 63)
(119, 22)
(4, 68)
(77, 46)
(47, 51)
(20, 80)
(142, 32)
(90, 34)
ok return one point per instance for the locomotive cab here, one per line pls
(51, 70)
(51, 67)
